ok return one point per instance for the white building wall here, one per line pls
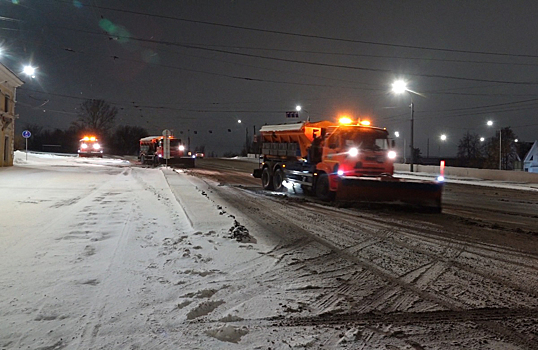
(9, 83)
(530, 163)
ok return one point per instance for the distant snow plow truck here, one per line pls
(152, 152)
(343, 161)
(89, 147)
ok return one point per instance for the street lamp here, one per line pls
(399, 87)
(490, 123)
(247, 143)
(397, 135)
(299, 108)
(29, 71)
(442, 138)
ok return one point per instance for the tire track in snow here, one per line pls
(397, 284)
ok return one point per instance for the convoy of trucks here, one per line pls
(344, 161)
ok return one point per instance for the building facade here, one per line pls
(530, 163)
(9, 82)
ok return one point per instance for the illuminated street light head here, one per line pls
(399, 87)
(490, 123)
(397, 133)
(482, 139)
(298, 108)
(29, 70)
(443, 137)
(239, 121)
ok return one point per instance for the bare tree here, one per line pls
(96, 116)
(469, 150)
(507, 151)
(126, 139)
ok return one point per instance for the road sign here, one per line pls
(292, 114)
(26, 134)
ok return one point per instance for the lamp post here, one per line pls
(397, 135)
(490, 123)
(399, 87)
(442, 138)
(299, 108)
(247, 143)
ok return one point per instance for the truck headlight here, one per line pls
(181, 148)
(96, 146)
(83, 146)
(353, 152)
(391, 155)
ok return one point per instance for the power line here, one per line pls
(302, 35)
(319, 64)
(430, 59)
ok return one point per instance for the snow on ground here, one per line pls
(99, 255)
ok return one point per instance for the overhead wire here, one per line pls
(280, 32)
(316, 63)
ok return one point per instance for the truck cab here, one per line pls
(89, 146)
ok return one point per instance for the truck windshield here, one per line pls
(369, 139)
(175, 143)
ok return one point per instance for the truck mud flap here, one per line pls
(423, 194)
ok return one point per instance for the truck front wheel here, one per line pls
(323, 191)
(267, 179)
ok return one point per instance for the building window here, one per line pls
(6, 103)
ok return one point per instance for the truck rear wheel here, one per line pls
(323, 191)
(267, 179)
(278, 179)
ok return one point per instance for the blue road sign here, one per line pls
(26, 134)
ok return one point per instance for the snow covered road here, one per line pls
(101, 254)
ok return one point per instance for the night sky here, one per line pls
(199, 66)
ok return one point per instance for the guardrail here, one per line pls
(485, 174)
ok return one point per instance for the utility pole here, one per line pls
(500, 150)
(412, 130)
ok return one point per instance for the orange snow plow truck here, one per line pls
(152, 152)
(343, 161)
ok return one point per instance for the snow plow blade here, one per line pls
(422, 194)
(183, 162)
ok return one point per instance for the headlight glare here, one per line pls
(353, 152)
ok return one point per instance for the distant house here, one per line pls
(9, 83)
(530, 163)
